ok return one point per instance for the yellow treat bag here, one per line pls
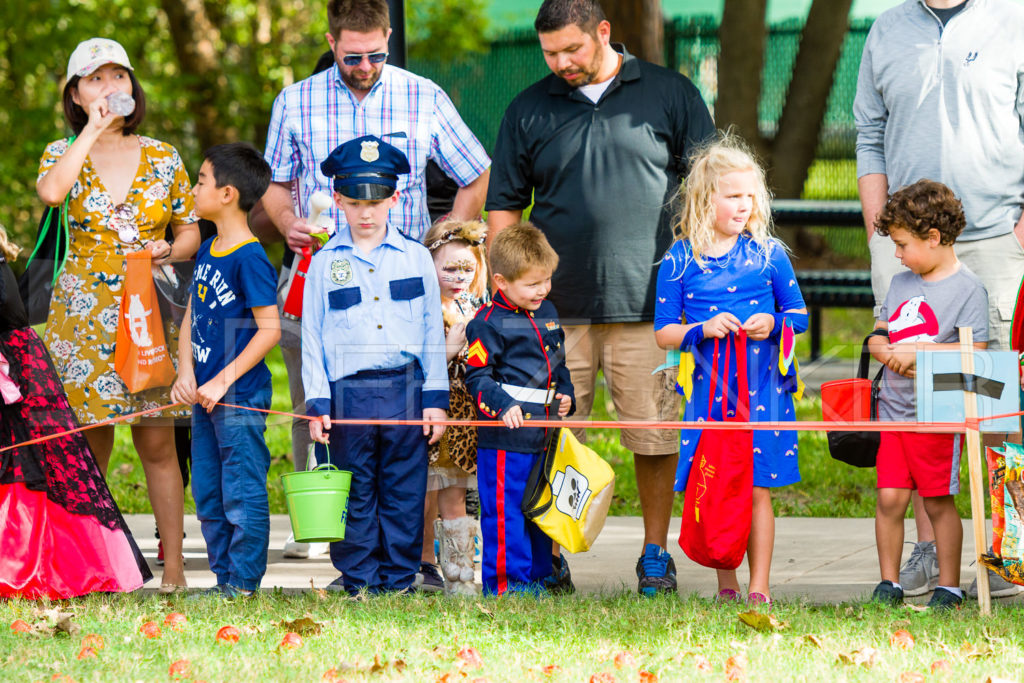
(141, 357)
(569, 492)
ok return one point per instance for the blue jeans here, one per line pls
(230, 461)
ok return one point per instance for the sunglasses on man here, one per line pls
(357, 59)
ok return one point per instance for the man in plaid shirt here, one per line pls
(360, 94)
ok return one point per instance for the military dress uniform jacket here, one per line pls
(516, 357)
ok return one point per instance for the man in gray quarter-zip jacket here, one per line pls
(940, 95)
(945, 101)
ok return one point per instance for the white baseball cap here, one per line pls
(93, 53)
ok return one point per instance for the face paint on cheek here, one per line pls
(458, 272)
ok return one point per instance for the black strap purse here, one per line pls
(44, 266)
(860, 449)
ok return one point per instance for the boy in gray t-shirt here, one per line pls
(928, 304)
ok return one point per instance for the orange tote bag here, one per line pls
(141, 357)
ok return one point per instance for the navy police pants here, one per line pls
(384, 527)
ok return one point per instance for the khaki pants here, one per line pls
(291, 351)
(628, 355)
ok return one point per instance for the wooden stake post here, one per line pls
(974, 471)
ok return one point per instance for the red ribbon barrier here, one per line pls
(799, 426)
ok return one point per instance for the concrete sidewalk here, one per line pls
(820, 560)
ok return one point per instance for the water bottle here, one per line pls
(121, 103)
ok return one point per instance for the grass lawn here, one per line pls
(427, 638)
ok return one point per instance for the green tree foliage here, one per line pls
(454, 29)
(210, 70)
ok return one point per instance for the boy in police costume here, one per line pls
(516, 371)
(373, 348)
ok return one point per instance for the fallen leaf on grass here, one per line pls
(380, 665)
(482, 679)
(911, 677)
(470, 657)
(150, 629)
(550, 669)
(19, 626)
(94, 640)
(902, 640)
(304, 626)
(66, 625)
(812, 640)
(87, 653)
(647, 677)
(703, 664)
(969, 651)
(485, 610)
(176, 621)
(180, 670)
(124, 469)
(319, 592)
(451, 676)
(866, 657)
(624, 660)
(762, 622)
(941, 666)
(998, 679)
(331, 676)
(736, 668)
(228, 635)
(602, 677)
(291, 641)
(61, 678)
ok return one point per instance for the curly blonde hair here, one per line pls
(466, 233)
(9, 249)
(726, 154)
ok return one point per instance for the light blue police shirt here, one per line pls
(371, 312)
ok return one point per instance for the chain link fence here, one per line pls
(482, 86)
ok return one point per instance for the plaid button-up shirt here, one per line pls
(314, 116)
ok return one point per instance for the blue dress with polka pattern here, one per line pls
(745, 281)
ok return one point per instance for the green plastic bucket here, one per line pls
(317, 503)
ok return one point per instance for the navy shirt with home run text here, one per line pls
(225, 288)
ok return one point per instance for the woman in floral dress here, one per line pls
(125, 189)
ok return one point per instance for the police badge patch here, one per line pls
(341, 272)
(369, 152)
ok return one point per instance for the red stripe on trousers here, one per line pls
(499, 490)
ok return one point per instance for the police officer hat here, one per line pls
(365, 168)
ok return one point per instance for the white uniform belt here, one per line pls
(526, 395)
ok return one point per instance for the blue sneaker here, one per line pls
(560, 580)
(655, 571)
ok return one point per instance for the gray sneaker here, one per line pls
(998, 587)
(921, 572)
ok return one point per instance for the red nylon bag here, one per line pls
(719, 492)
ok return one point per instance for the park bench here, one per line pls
(826, 288)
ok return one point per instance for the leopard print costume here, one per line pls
(458, 444)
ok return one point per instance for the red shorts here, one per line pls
(929, 463)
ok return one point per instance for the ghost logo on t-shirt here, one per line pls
(914, 320)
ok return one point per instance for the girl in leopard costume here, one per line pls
(458, 251)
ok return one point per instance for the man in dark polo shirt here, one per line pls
(600, 147)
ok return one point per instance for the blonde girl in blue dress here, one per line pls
(726, 273)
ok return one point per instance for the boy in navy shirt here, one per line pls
(230, 325)
(516, 371)
(373, 348)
